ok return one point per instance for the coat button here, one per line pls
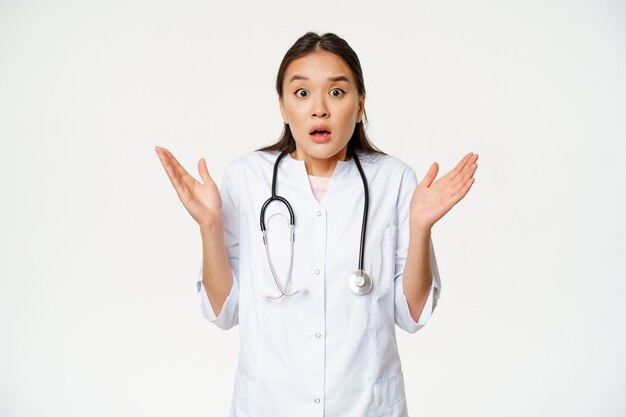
(319, 213)
(317, 401)
(317, 272)
(318, 335)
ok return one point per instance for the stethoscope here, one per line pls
(360, 282)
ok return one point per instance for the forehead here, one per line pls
(318, 66)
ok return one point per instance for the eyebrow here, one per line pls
(337, 78)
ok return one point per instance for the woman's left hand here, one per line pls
(431, 200)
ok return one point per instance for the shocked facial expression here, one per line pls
(321, 104)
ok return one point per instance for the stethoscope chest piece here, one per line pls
(360, 282)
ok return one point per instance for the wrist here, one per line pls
(420, 230)
(211, 229)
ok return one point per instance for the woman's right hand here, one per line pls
(202, 201)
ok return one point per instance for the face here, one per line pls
(320, 92)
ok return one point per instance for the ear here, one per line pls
(281, 105)
(359, 114)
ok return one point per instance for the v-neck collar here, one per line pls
(304, 177)
(338, 167)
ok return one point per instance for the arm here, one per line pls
(417, 278)
(219, 271)
(218, 217)
(430, 201)
(216, 277)
(417, 281)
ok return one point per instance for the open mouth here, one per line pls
(320, 136)
(319, 128)
(320, 133)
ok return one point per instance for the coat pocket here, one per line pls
(386, 257)
(390, 396)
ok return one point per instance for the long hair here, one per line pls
(312, 42)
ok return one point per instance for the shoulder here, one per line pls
(385, 164)
(250, 161)
(254, 158)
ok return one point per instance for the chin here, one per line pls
(322, 151)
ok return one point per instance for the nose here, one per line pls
(319, 108)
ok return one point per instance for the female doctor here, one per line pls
(317, 245)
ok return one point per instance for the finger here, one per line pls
(462, 178)
(430, 175)
(167, 165)
(176, 164)
(468, 172)
(457, 196)
(459, 166)
(185, 178)
(172, 173)
(204, 172)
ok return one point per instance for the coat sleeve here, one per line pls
(402, 313)
(229, 316)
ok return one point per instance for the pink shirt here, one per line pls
(319, 185)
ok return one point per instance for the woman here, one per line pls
(316, 301)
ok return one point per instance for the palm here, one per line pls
(202, 201)
(433, 199)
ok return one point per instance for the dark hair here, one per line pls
(312, 42)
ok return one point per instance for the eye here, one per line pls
(338, 90)
(299, 95)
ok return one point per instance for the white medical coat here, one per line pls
(327, 351)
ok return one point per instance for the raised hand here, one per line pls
(202, 201)
(432, 200)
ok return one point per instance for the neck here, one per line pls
(319, 167)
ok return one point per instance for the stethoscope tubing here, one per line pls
(365, 208)
(274, 197)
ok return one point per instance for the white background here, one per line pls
(99, 314)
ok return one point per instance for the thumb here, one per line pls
(204, 172)
(430, 175)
